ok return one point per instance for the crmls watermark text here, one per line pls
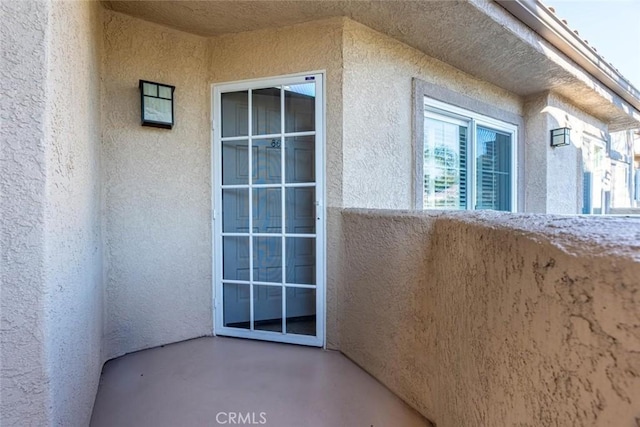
(241, 418)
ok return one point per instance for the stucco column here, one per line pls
(24, 389)
(553, 178)
(535, 154)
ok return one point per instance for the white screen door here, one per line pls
(268, 210)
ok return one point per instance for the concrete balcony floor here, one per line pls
(205, 381)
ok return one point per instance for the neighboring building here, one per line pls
(624, 175)
(636, 156)
(114, 234)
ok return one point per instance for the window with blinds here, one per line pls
(445, 164)
(468, 160)
(493, 169)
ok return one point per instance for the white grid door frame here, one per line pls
(317, 77)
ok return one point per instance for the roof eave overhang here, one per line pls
(540, 19)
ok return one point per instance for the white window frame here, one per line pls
(438, 110)
(593, 143)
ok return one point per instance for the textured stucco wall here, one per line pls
(24, 388)
(305, 47)
(377, 147)
(157, 182)
(73, 238)
(564, 167)
(536, 130)
(534, 323)
(554, 175)
(51, 243)
(156, 189)
(378, 157)
(299, 48)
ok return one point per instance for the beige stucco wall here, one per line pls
(378, 157)
(51, 239)
(378, 154)
(152, 243)
(536, 131)
(157, 182)
(156, 189)
(312, 46)
(73, 220)
(24, 389)
(564, 168)
(496, 319)
(554, 175)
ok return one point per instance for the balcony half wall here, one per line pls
(496, 319)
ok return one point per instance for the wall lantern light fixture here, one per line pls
(560, 137)
(156, 104)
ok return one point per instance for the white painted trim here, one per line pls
(595, 141)
(214, 216)
(259, 83)
(320, 235)
(321, 117)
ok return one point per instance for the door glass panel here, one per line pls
(235, 163)
(236, 305)
(266, 111)
(267, 164)
(267, 308)
(301, 311)
(301, 260)
(300, 107)
(272, 203)
(267, 210)
(235, 210)
(235, 259)
(493, 168)
(267, 259)
(300, 210)
(235, 117)
(300, 159)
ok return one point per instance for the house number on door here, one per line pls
(275, 143)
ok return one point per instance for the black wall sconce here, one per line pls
(560, 137)
(156, 104)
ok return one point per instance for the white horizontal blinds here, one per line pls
(445, 182)
(587, 176)
(493, 169)
(462, 140)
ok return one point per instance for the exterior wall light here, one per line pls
(560, 137)
(156, 104)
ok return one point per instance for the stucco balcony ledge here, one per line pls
(496, 319)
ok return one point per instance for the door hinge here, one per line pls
(213, 214)
(213, 124)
